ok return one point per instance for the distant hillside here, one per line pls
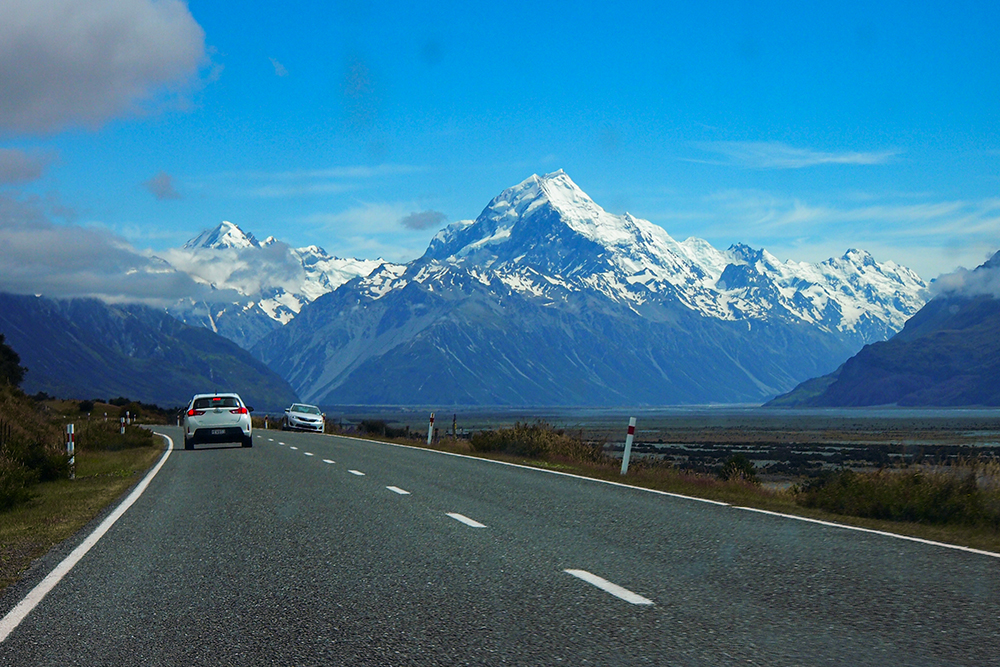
(85, 348)
(948, 355)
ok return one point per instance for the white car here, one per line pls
(302, 417)
(217, 418)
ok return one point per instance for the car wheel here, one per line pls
(188, 443)
(248, 441)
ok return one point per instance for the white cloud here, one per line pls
(778, 155)
(66, 261)
(68, 62)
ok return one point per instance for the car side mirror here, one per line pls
(249, 409)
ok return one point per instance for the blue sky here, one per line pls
(800, 129)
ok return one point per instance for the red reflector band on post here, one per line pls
(631, 430)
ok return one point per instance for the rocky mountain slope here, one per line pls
(548, 299)
(272, 279)
(84, 348)
(948, 354)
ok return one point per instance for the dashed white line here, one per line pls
(280, 443)
(466, 520)
(356, 472)
(292, 447)
(608, 587)
(328, 461)
(308, 453)
(270, 439)
(396, 489)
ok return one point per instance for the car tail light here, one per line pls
(194, 413)
(239, 411)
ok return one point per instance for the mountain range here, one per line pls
(947, 355)
(85, 348)
(547, 299)
(269, 280)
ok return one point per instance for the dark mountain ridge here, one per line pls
(85, 348)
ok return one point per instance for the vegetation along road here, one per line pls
(319, 550)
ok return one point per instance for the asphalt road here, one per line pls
(284, 554)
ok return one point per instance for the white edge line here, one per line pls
(608, 587)
(396, 489)
(31, 600)
(678, 495)
(873, 531)
(466, 520)
(551, 472)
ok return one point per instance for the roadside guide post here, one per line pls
(71, 450)
(123, 426)
(430, 430)
(628, 444)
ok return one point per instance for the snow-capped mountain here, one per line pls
(526, 303)
(275, 279)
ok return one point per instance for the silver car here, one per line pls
(302, 417)
(217, 418)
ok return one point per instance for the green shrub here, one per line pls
(738, 467)
(919, 496)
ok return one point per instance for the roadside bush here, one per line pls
(919, 496)
(738, 467)
(30, 449)
(538, 440)
(106, 436)
(379, 427)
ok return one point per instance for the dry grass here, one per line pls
(60, 508)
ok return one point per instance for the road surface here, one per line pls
(316, 550)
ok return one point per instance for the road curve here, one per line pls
(317, 550)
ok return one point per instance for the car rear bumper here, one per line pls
(219, 434)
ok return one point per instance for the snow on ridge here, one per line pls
(637, 260)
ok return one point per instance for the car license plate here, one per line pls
(218, 431)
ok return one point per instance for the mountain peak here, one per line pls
(226, 235)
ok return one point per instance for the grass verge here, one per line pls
(60, 508)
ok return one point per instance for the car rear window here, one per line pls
(216, 402)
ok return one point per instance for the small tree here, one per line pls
(11, 370)
(738, 467)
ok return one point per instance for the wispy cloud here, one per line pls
(306, 182)
(375, 229)
(778, 155)
(279, 69)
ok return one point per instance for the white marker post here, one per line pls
(123, 426)
(430, 430)
(71, 450)
(628, 444)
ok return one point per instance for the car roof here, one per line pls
(223, 394)
(303, 405)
